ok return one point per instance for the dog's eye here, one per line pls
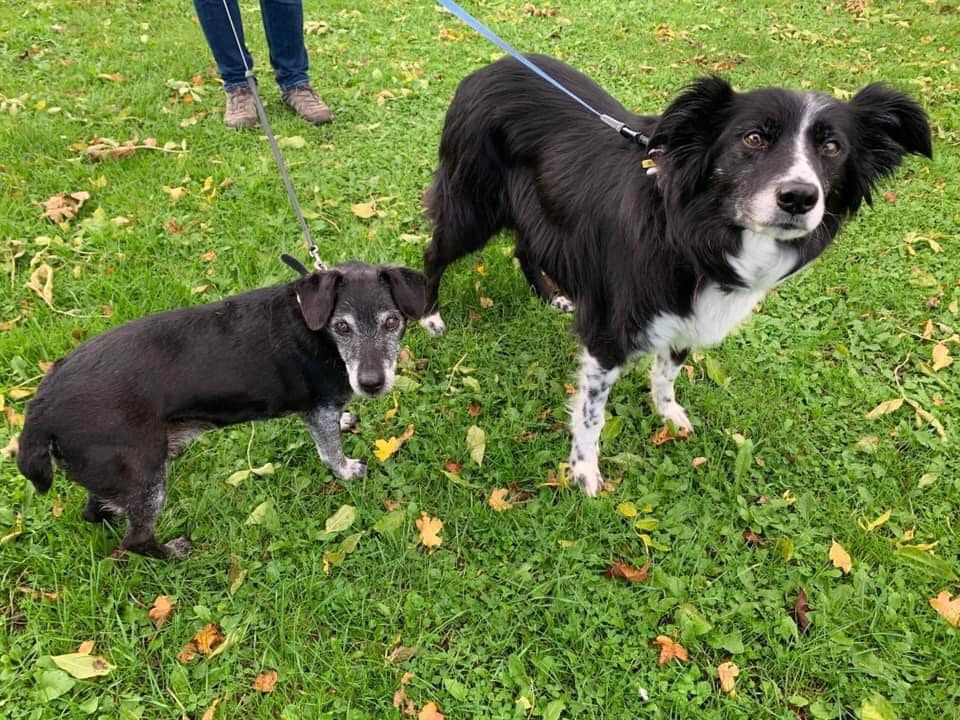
(391, 323)
(831, 148)
(755, 140)
(341, 327)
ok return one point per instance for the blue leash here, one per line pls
(486, 32)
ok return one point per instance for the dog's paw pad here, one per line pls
(433, 324)
(351, 468)
(348, 422)
(562, 303)
(179, 547)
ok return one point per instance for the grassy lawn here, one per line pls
(512, 616)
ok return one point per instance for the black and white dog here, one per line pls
(749, 188)
(120, 407)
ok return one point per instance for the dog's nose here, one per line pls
(370, 382)
(797, 198)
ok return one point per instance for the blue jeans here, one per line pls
(283, 24)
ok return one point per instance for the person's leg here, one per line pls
(283, 23)
(222, 32)
(220, 36)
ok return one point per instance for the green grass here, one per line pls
(512, 605)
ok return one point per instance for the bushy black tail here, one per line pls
(33, 456)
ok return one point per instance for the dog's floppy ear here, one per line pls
(889, 125)
(316, 295)
(408, 288)
(683, 136)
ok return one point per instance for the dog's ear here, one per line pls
(316, 295)
(683, 136)
(408, 288)
(889, 125)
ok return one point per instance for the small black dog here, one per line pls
(749, 188)
(116, 410)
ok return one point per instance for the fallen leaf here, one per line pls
(187, 653)
(15, 532)
(160, 612)
(86, 647)
(949, 609)
(385, 449)
(699, 461)
(667, 433)
(727, 672)
(669, 650)
(175, 193)
(294, 142)
(871, 526)
(430, 712)
(924, 416)
(341, 519)
(840, 557)
(629, 573)
(429, 530)
(207, 640)
(941, 357)
(63, 207)
(885, 408)
(476, 443)
(38, 594)
(752, 538)
(877, 707)
(336, 556)
(800, 609)
(401, 654)
(259, 513)
(498, 500)
(265, 682)
(41, 282)
(83, 665)
(208, 714)
(364, 211)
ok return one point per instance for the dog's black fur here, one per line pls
(116, 410)
(627, 247)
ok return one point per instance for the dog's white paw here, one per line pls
(179, 547)
(587, 476)
(351, 468)
(433, 324)
(562, 303)
(348, 421)
(675, 413)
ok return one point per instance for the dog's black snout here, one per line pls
(370, 380)
(797, 198)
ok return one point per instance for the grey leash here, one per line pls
(265, 122)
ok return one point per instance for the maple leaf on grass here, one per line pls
(386, 449)
(840, 557)
(727, 672)
(429, 530)
(498, 500)
(949, 609)
(160, 612)
(208, 642)
(430, 712)
(628, 572)
(668, 433)
(670, 650)
(265, 682)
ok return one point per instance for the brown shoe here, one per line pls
(308, 105)
(241, 109)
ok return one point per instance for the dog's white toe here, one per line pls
(562, 303)
(675, 413)
(348, 421)
(351, 468)
(587, 476)
(433, 324)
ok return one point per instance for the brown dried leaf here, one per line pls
(208, 714)
(629, 573)
(160, 612)
(265, 682)
(207, 640)
(949, 609)
(430, 712)
(670, 650)
(840, 557)
(752, 538)
(401, 654)
(800, 609)
(727, 672)
(429, 530)
(498, 500)
(41, 282)
(666, 434)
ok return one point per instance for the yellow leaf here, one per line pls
(429, 530)
(728, 672)
(207, 640)
(364, 211)
(86, 647)
(430, 712)
(627, 509)
(265, 682)
(41, 282)
(699, 461)
(885, 408)
(871, 526)
(208, 715)
(476, 443)
(83, 665)
(160, 612)
(950, 609)
(941, 357)
(498, 500)
(840, 557)
(175, 193)
(386, 449)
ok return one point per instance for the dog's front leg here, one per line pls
(324, 425)
(586, 422)
(666, 366)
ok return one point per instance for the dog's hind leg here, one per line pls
(324, 425)
(98, 510)
(586, 422)
(666, 366)
(142, 507)
(543, 285)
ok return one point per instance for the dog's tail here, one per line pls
(33, 455)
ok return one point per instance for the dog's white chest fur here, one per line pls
(762, 263)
